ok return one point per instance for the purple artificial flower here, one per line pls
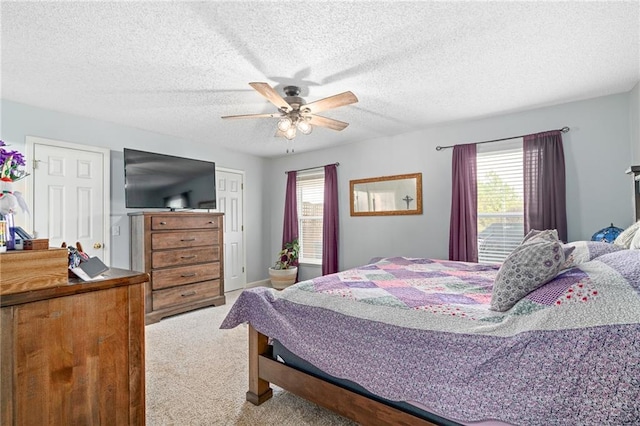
(9, 163)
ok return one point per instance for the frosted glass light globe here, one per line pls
(284, 124)
(290, 133)
(304, 127)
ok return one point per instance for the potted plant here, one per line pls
(285, 271)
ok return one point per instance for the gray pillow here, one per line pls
(547, 234)
(531, 265)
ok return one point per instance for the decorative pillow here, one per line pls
(568, 256)
(625, 238)
(547, 234)
(531, 265)
(578, 252)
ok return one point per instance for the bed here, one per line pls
(416, 341)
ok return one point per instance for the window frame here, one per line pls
(509, 236)
(308, 175)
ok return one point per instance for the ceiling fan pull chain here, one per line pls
(290, 147)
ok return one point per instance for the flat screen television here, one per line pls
(153, 180)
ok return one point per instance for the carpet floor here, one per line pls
(197, 374)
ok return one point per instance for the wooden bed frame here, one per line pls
(263, 370)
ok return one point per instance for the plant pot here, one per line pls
(283, 278)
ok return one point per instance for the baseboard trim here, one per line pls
(260, 283)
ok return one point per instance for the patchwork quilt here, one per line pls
(421, 331)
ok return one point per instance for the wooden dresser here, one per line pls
(182, 252)
(74, 354)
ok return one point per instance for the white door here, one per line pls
(229, 199)
(70, 187)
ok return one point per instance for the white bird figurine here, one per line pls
(10, 201)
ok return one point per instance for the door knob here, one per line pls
(97, 246)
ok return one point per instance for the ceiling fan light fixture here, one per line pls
(284, 124)
(290, 133)
(304, 127)
(295, 114)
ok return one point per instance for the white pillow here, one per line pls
(635, 243)
(625, 238)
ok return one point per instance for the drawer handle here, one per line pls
(188, 239)
(211, 222)
(188, 275)
(163, 223)
(189, 257)
(189, 293)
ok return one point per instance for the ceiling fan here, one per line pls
(295, 114)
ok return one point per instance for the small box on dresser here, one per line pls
(37, 244)
(183, 254)
(29, 270)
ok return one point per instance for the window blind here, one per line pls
(310, 197)
(500, 202)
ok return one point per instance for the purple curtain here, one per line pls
(330, 221)
(545, 205)
(290, 226)
(463, 227)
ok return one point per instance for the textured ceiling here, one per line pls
(177, 67)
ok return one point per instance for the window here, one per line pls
(500, 200)
(310, 196)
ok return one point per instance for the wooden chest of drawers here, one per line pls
(182, 252)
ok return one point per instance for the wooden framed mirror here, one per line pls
(386, 195)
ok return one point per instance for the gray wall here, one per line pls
(597, 153)
(602, 144)
(19, 120)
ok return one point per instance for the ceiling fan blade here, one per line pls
(318, 120)
(334, 101)
(268, 92)
(253, 116)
